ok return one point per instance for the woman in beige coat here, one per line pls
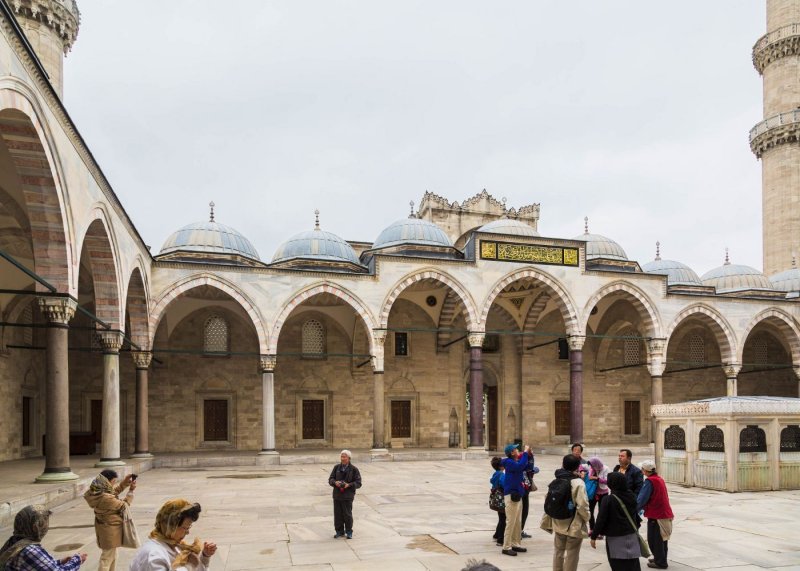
(103, 497)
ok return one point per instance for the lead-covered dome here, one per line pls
(317, 249)
(509, 227)
(676, 272)
(598, 246)
(412, 231)
(788, 280)
(735, 277)
(203, 240)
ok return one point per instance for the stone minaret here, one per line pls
(51, 27)
(776, 56)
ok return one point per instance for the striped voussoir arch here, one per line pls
(781, 321)
(97, 246)
(136, 304)
(456, 288)
(508, 324)
(644, 307)
(723, 332)
(446, 318)
(21, 135)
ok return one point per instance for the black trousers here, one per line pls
(343, 515)
(525, 505)
(592, 503)
(657, 545)
(500, 530)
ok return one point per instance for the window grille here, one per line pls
(401, 343)
(712, 439)
(790, 438)
(674, 438)
(632, 350)
(752, 439)
(216, 335)
(313, 339)
(27, 332)
(697, 349)
(760, 352)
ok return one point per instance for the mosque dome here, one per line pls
(412, 231)
(598, 246)
(316, 246)
(509, 227)
(209, 238)
(676, 272)
(734, 277)
(788, 280)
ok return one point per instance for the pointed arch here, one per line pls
(565, 303)
(535, 312)
(136, 308)
(316, 289)
(204, 279)
(447, 316)
(723, 332)
(783, 322)
(99, 244)
(430, 274)
(510, 323)
(641, 302)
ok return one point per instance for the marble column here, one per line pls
(576, 387)
(111, 341)
(731, 374)
(141, 447)
(796, 370)
(656, 363)
(268, 363)
(476, 436)
(58, 311)
(379, 402)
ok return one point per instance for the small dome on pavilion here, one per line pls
(676, 272)
(787, 280)
(598, 246)
(316, 245)
(509, 227)
(735, 277)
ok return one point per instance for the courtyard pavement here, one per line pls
(427, 515)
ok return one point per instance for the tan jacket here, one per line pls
(573, 527)
(108, 515)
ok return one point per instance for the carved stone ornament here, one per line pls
(62, 16)
(656, 346)
(732, 370)
(729, 405)
(142, 359)
(377, 363)
(268, 363)
(576, 342)
(777, 44)
(58, 310)
(379, 335)
(476, 338)
(110, 341)
(779, 130)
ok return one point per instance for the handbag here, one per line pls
(130, 538)
(496, 500)
(644, 549)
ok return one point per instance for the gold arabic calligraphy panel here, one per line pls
(527, 253)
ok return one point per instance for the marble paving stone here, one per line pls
(334, 551)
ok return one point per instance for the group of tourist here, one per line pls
(621, 495)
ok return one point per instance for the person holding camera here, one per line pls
(345, 479)
(514, 464)
(103, 497)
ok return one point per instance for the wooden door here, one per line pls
(401, 419)
(491, 418)
(562, 417)
(215, 420)
(96, 419)
(632, 419)
(313, 420)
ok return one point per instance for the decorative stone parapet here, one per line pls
(62, 16)
(780, 43)
(777, 130)
(58, 310)
(729, 405)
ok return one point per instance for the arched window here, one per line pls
(632, 350)
(313, 339)
(790, 438)
(712, 439)
(760, 352)
(697, 349)
(752, 439)
(216, 335)
(674, 438)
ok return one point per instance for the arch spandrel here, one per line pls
(649, 315)
(783, 322)
(719, 326)
(298, 298)
(565, 303)
(176, 289)
(436, 275)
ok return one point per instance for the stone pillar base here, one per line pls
(476, 452)
(105, 463)
(380, 455)
(272, 452)
(141, 455)
(50, 477)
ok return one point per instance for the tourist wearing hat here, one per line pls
(513, 490)
(654, 500)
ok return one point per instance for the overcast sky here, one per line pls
(635, 114)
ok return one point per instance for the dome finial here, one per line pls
(658, 250)
(316, 219)
(211, 204)
(585, 224)
(727, 258)
(411, 214)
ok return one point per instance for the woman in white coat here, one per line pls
(166, 550)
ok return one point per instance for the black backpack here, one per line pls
(558, 501)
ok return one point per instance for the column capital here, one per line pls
(58, 310)
(476, 338)
(796, 371)
(142, 359)
(731, 370)
(655, 356)
(576, 342)
(656, 345)
(268, 363)
(379, 336)
(111, 340)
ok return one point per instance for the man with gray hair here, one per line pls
(345, 479)
(653, 498)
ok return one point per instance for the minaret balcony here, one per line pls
(780, 43)
(780, 129)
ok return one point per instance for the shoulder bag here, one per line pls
(496, 500)
(130, 538)
(643, 547)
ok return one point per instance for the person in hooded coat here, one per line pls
(103, 497)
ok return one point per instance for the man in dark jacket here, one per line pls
(632, 472)
(345, 480)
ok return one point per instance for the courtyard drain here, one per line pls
(427, 543)
(79, 526)
(244, 476)
(68, 547)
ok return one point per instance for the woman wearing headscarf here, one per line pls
(23, 550)
(622, 539)
(103, 497)
(598, 475)
(166, 549)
